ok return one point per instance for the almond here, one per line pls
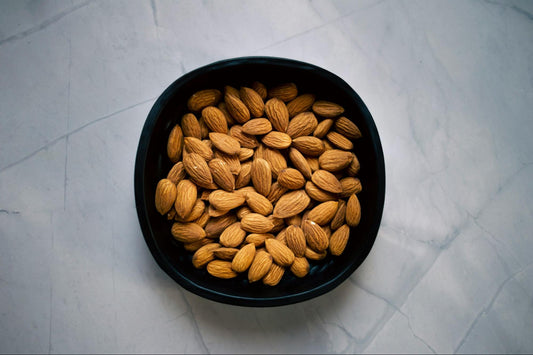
(243, 179)
(327, 230)
(165, 195)
(291, 204)
(308, 145)
(204, 255)
(277, 113)
(291, 179)
(323, 128)
(323, 213)
(295, 238)
(221, 269)
(276, 191)
(197, 211)
(259, 203)
(203, 127)
(253, 101)
(258, 239)
(276, 160)
(237, 108)
(177, 173)
(175, 144)
(327, 109)
(274, 275)
(259, 151)
(313, 255)
(194, 246)
(225, 143)
(232, 161)
(338, 240)
(347, 128)
(203, 98)
(222, 174)
(215, 226)
(339, 141)
(353, 168)
(213, 212)
(256, 223)
(315, 236)
(190, 126)
(300, 104)
(340, 215)
(243, 211)
(295, 220)
(326, 181)
(350, 185)
(260, 266)
(261, 176)
(243, 259)
(353, 211)
(302, 124)
(245, 154)
(257, 126)
(185, 198)
(171, 214)
(214, 119)
(313, 163)
(300, 162)
(277, 140)
(279, 223)
(245, 190)
(194, 145)
(225, 253)
(300, 267)
(317, 193)
(285, 92)
(282, 236)
(327, 145)
(231, 91)
(232, 236)
(281, 254)
(223, 200)
(246, 140)
(198, 171)
(260, 89)
(187, 232)
(335, 160)
(222, 107)
(203, 219)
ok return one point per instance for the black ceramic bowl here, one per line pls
(152, 165)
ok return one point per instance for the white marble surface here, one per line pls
(450, 86)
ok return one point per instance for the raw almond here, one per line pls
(313, 163)
(327, 109)
(353, 211)
(232, 161)
(274, 275)
(257, 126)
(187, 232)
(308, 145)
(335, 160)
(317, 193)
(213, 212)
(175, 144)
(203, 127)
(327, 145)
(339, 239)
(171, 214)
(300, 104)
(295, 220)
(203, 219)
(203, 98)
(282, 236)
(221, 269)
(185, 198)
(190, 126)
(276, 160)
(291, 204)
(350, 185)
(243, 211)
(281, 254)
(223, 200)
(300, 163)
(277, 113)
(245, 190)
(256, 223)
(302, 124)
(245, 154)
(347, 128)
(231, 91)
(243, 179)
(327, 230)
(214, 119)
(323, 213)
(323, 128)
(339, 141)
(198, 171)
(313, 255)
(340, 215)
(259, 152)
(237, 108)
(232, 236)
(276, 191)
(225, 253)
(291, 179)
(259, 88)
(260, 266)
(326, 181)
(261, 176)
(253, 101)
(194, 246)
(354, 167)
(165, 195)
(258, 239)
(225, 143)
(197, 211)
(300, 267)
(204, 255)
(277, 140)
(259, 203)
(222, 174)
(176, 173)
(243, 259)
(295, 238)
(285, 92)
(315, 236)
(222, 107)
(246, 140)
(194, 145)
(279, 223)
(215, 226)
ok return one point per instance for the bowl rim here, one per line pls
(140, 201)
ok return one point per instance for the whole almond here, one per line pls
(232, 236)
(229, 119)
(327, 145)
(326, 181)
(339, 141)
(165, 195)
(215, 119)
(231, 91)
(245, 190)
(295, 220)
(282, 236)
(279, 223)
(190, 126)
(291, 179)
(243, 179)
(259, 151)
(317, 193)
(302, 124)
(308, 145)
(237, 108)
(232, 161)
(243, 211)
(203, 219)
(194, 246)
(259, 203)
(350, 185)
(243, 259)
(253, 101)
(300, 104)
(340, 215)
(315, 236)
(354, 167)
(276, 191)
(222, 174)
(300, 163)
(225, 253)
(353, 211)
(203, 127)
(313, 255)
(203, 98)
(257, 126)
(259, 88)
(175, 144)
(223, 200)
(213, 212)
(313, 163)
(221, 269)
(347, 128)
(323, 128)
(197, 211)
(277, 140)
(277, 113)
(258, 239)
(256, 223)
(215, 226)
(185, 198)
(176, 173)
(281, 254)
(187, 232)
(285, 92)
(335, 160)
(295, 238)
(245, 154)
(291, 204)
(260, 266)
(225, 143)
(261, 176)
(300, 267)
(194, 145)
(274, 275)
(338, 240)
(198, 171)
(246, 140)
(276, 160)
(327, 109)
(204, 255)
(323, 213)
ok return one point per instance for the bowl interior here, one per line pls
(152, 165)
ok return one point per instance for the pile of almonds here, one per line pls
(263, 181)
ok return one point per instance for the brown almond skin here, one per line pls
(353, 168)
(324, 212)
(231, 91)
(285, 92)
(215, 119)
(318, 194)
(261, 176)
(339, 239)
(339, 141)
(175, 144)
(258, 239)
(221, 269)
(176, 173)
(194, 246)
(290, 204)
(197, 211)
(277, 113)
(302, 124)
(300, 104)
(295, 239)
(276, 191)
(232, 236)
(291, 179)
(274, 275)
(339, 218)
(244, 258)
(281, 254)
(259, 203)
(347, 128)
(256, 223)
(237, 108)
(165, 195)
(300, 163)
(326, 181)
(194, 145)
(190, 126)
(327, 109)
(309, 145)
(353, 211)
(253, 101)
(246, 140)
(276, 160)
(300, 267)
(224, 253)
(245, 175)
(245, 154)
(257, 126)
(277, 140)
(295, 220)
(185, 198)
(203, 98)
(222, 174)
(315, 236)
(323, 128)
(198, 171)
(243, 211)
(204, 255)
(350, 185)
(335, 160)
(260, 266)
(225, 201)
(229, 119)
(187, 232)
(232, 161)
(313, 255)
(215, 226)
(225, 143)
(261, 89)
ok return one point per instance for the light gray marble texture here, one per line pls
(450, 87)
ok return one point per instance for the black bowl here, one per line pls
(152, 165)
